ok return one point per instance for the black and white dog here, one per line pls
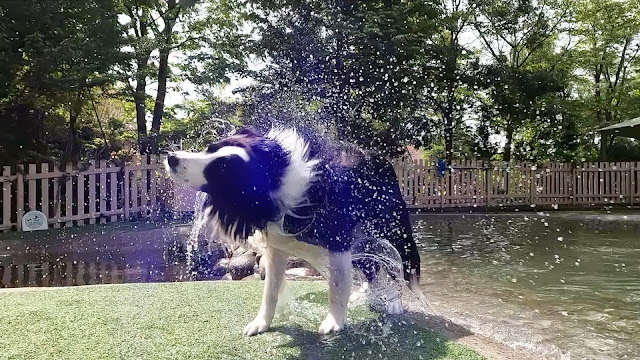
(299, 194)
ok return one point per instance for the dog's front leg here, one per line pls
(275, 266)
(339, 291)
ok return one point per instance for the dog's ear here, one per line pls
(247, 131)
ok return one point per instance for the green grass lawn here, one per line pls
(199, 320)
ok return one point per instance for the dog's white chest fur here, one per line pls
(316, 256)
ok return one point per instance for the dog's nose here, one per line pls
(173, 161)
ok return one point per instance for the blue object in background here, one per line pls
(441, 166)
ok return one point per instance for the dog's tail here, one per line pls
(414, 286)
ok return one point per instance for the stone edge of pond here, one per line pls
(620, 215)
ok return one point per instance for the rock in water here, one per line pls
(243, 265)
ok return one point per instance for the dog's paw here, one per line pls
(255, 327)
(330, 325)
(395, 307)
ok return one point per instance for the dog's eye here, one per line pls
(213, 148)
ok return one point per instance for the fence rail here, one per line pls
(102, 191)
(77, 194)
(482, 184)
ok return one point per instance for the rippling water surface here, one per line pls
(563, 285)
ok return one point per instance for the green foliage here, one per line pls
(609, 33)
(362, 63)
(194, 124)
(528, 80)
(57, 47)
(204, 32)
(523, 75)
(53, 54)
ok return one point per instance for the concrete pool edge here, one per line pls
(628, 215)
(525, 209)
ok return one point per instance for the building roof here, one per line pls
(629, 128)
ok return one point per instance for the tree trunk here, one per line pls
(73, 138)
(606, 140)
(452, 78)
(163, 73)
(448, 136)
(338, 99)
(140, 94)
(73, 152)
(141, 111)
(597, 93)
(509, 144)
(158, 109)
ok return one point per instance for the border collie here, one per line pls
(298, 194)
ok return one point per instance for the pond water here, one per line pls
(565, 285)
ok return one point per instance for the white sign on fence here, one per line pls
(34, 220)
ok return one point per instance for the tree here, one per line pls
(512, 34)
(61, 50)
(609, 33)
(202, 122)
(191, 27)
(451, 94)
(365, 65)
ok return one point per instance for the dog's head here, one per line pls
(250, 179)
(240, 173)
(244, 159)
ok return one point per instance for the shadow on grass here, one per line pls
(404, 337)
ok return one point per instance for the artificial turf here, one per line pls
(199, 320)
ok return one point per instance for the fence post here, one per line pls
(442, 184)
(92, 191)
(44, 183)
(533, 185)
(574, 183)
(32, 187)
(125, 190)
(507, 179)
(632, 183)
(69, 194)
(19, 196)
(488, 182)
(6, 197)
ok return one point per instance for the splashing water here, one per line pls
(387, 286)
(198, 227)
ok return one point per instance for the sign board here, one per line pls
(34, 220)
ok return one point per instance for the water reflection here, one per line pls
(93, 255)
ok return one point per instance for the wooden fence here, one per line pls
(101, 191)
(480, 184)
(76, 194)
